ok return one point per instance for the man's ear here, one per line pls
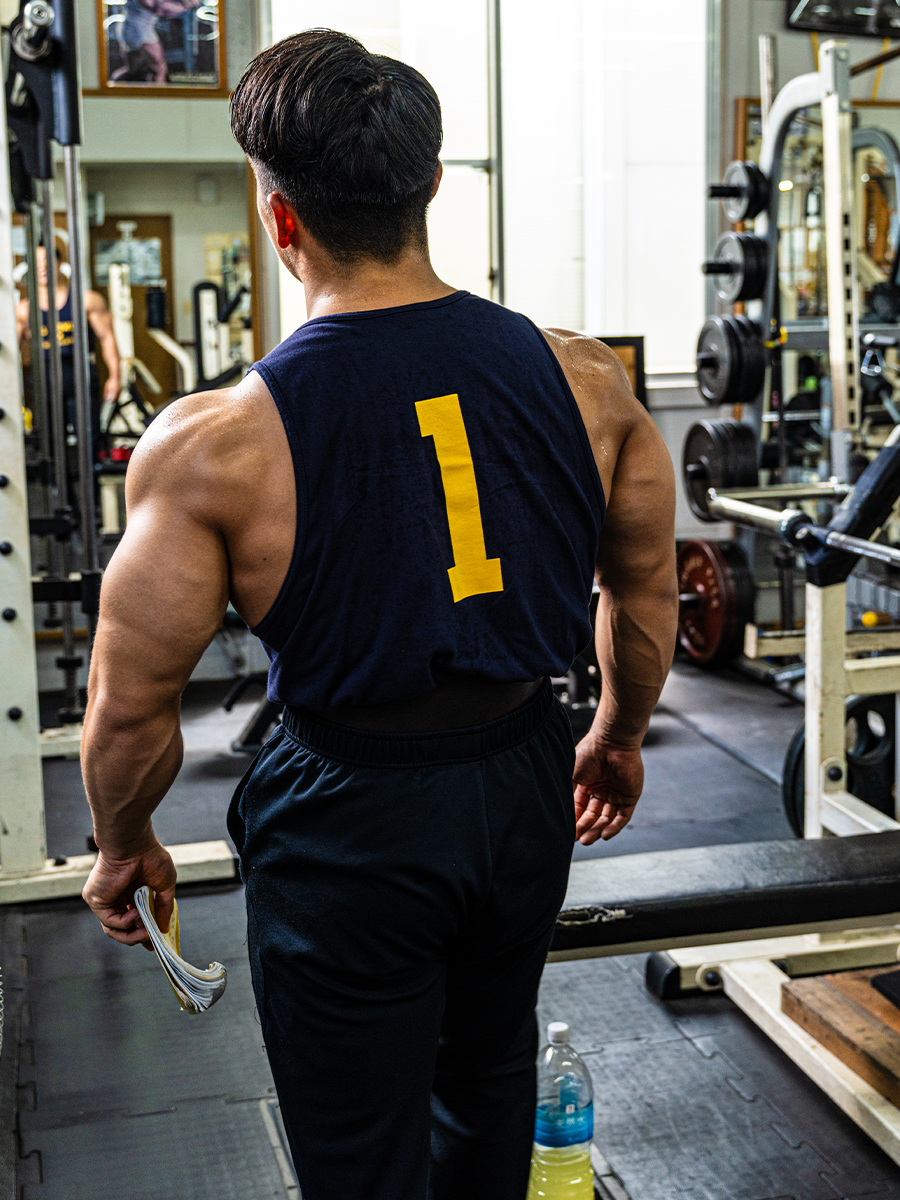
(284, 217)
(437, 179)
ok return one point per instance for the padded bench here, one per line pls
(630, 904)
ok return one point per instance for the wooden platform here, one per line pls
(852, 1020)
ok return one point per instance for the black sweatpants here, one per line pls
(401, 896)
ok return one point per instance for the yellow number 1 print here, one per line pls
(473, 572)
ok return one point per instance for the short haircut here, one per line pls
(350, 139)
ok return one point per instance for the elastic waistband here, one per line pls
(365, 748)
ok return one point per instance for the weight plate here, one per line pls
(746, 257)
(717, 454)
(717, 592)
(750, 179)
(753, 376)
(716, 366)
(871, 733)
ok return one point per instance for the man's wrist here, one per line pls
(122, 848)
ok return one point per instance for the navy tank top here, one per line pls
(448, 505)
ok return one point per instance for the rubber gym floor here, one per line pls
(108, 1092)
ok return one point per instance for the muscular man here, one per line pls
(145, 58)
(407, 501)
(100, 332)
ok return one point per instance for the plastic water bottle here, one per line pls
(564, 1123)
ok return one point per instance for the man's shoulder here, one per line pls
(205, 438)
(589, 357)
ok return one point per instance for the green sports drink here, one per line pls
(564, 1123)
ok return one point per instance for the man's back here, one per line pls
(224, 457)
(404, 861)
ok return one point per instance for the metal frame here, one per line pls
(25, 871)
(22, 837)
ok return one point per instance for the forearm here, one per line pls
(635, 641)
(129, 764)
(110, 352)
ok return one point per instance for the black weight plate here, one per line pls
(733, 333)
(748, 177)
(754, 355)
(726, 452)
(715, 361)
(701, 464)
(746, 255)
(711, 629)
(742, 472)
(871, 732)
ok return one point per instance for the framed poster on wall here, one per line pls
(879, 18)
(162, 47)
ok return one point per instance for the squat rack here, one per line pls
(41, 105)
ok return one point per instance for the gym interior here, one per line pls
(712, 189)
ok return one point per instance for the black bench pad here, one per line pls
(720, 889)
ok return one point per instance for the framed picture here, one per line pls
(848, 17)
(162, 47)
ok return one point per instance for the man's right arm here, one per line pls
(636, 624)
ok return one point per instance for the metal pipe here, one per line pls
(32, 223)
(83, 416)
(495, 79)
(62, 563)
(768, 69)
(54, 373)
(869, 64)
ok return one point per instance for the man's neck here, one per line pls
(371, 285)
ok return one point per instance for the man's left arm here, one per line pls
(163, 598)
(100, 320)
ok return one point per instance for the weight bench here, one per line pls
(745, 919)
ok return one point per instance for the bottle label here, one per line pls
(563, 1124)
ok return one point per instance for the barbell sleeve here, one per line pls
(770, 520)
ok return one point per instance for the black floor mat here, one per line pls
(692, 1100)
(123, 1097)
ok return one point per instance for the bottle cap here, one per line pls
(558, 1033)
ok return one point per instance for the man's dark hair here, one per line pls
(350, 139)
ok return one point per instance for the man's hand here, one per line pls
(109, 892)
(608, 782)
(111, 390)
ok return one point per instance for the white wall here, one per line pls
(604, 124)
(645, 174)
(448, 44)
(543, 160)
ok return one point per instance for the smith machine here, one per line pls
(42, 106)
